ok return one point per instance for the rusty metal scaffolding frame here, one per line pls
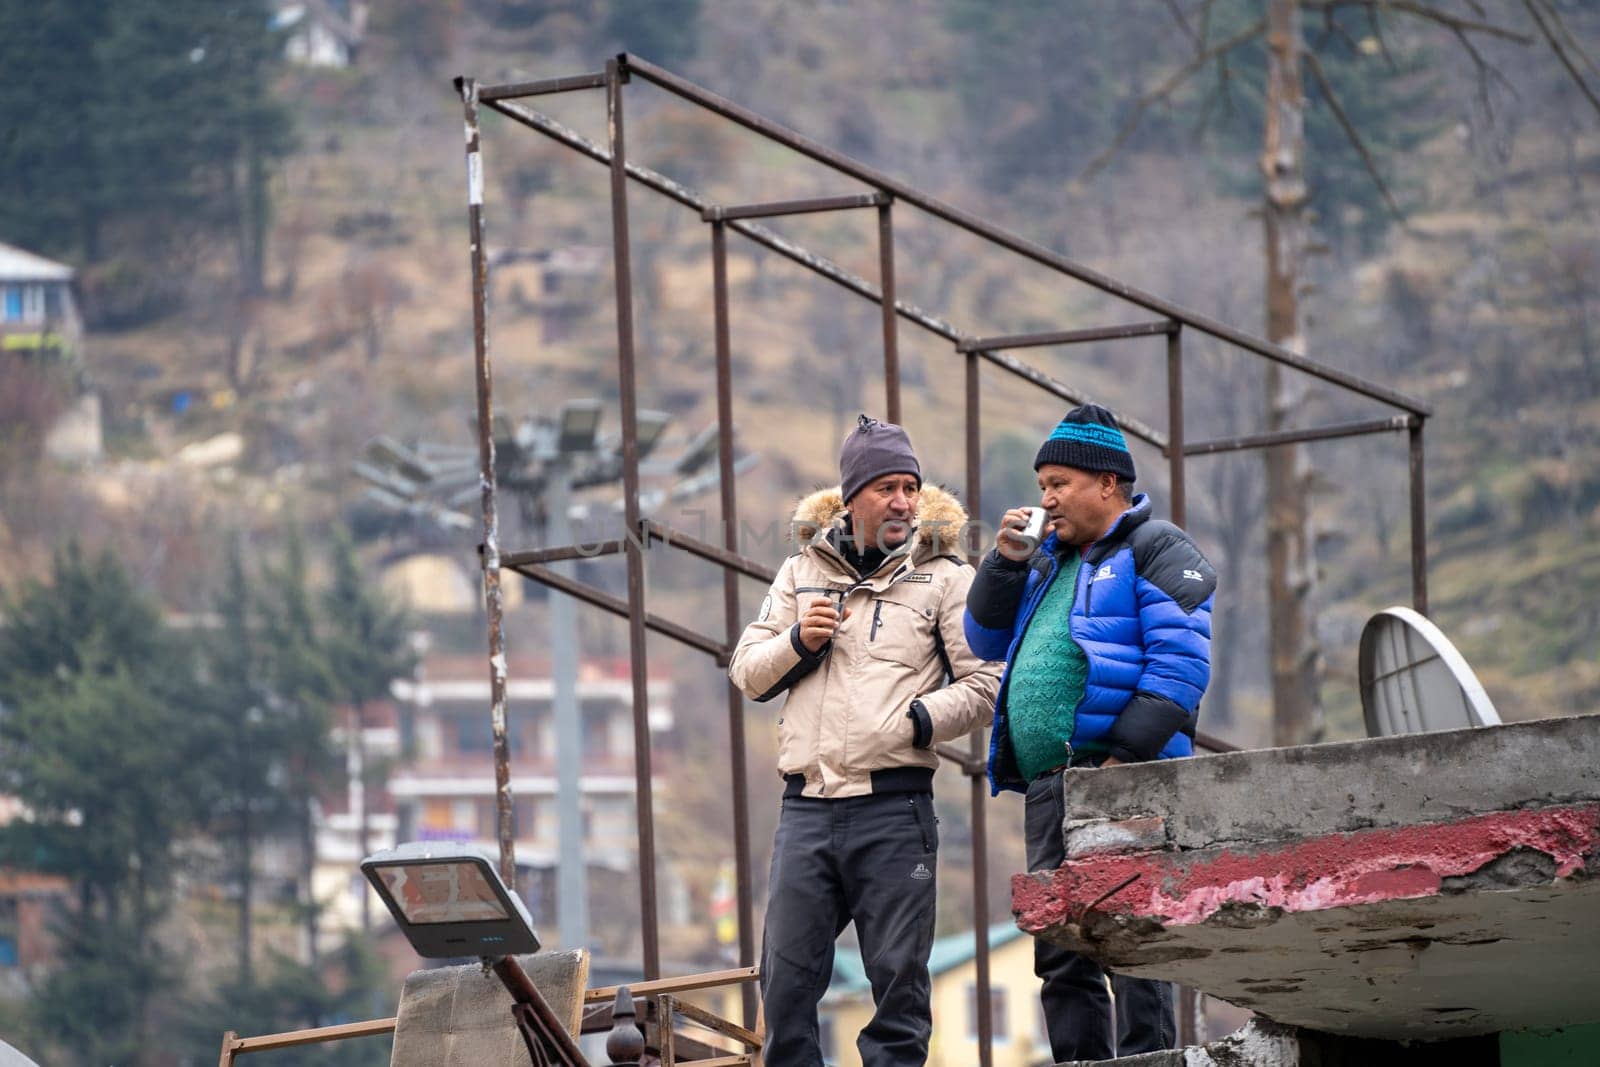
(1172, 323)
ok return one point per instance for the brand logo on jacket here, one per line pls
(1103, 572)
(922, 874)
(1194, 576)
(918, 576)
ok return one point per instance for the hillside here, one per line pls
(1482, 304)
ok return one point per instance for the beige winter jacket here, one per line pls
(845, 716)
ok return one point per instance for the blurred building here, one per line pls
(321, 33)
(1020, 1039)
(38, 313)
(433, 748)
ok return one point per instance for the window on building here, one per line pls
(33, 303)
(11, 307)
(475, 733)
(997, 1013)
(597, 732)
(10, 933)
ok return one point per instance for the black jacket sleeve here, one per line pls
(996, 591)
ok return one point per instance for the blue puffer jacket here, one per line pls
(1141, 614)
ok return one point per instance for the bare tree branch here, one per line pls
(1485, 70)
(1477, 8)
(1423, 11)
(1165, 90)
(1571, 39)
(1555, 46)
(1183, 23)
(1315, 66)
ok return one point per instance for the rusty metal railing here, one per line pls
(884, 192)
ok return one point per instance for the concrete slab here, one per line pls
(1420, 887)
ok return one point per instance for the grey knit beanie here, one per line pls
(872, 450)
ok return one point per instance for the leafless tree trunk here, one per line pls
(1296, 653)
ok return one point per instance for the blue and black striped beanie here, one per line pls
(1089, 440)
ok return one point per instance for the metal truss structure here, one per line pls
(1170, 321)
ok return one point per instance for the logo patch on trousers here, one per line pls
(922, 874)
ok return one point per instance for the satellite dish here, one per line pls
(10, 1057)
(1414, 681)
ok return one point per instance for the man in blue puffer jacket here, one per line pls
(1106, 634)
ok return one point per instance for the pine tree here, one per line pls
(103, 738)
(302, 680)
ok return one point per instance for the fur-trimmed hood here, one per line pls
(940, 520)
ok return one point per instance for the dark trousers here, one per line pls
(1077, 1009)
(872, 860)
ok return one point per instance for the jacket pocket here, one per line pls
(900, 628)
(921, 808)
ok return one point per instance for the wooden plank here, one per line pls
(664, 1006)
(718, 1024)
(677, 985)
(293, 1038)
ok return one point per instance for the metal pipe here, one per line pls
(1419, 523)
(619, 607)
(1050, 385)
(672, 190)
(808, 206)
(1043, 256)
(525, 993)
(980, 825)
(1178, 509)
(1291, 437)
(514, 90)
(630, 488)
(1069, 337)
(744, 871)
(724, 557)
(891, 341)
(560, 553)
(493, 606)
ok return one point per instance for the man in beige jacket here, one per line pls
(862, 629)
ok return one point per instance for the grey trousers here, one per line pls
(870, 860)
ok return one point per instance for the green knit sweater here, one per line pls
(1047, 679)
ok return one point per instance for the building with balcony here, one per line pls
(436, 742)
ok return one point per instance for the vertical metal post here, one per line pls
(891, 339)
(744, 877)
(1419, 521)
(572, 883)
(980, 825)
(1178, 511)
(632, 544)
(493, 606)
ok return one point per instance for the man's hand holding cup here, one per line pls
(819, 622)
(1021, 530)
